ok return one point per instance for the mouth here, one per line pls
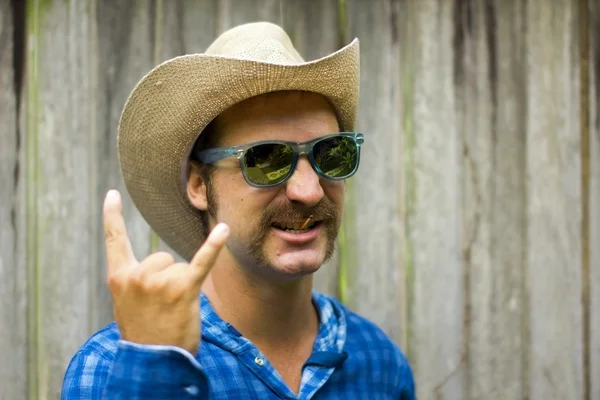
(296, 227)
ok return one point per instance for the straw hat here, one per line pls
(176, 100)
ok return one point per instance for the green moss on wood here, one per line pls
(347, 247)
(35, 341)
(410, 195)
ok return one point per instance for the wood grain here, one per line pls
(434, 229)
(59, 128)
(187, 27)
(233, 12)
(376, 281)
(13, 301)
(554, 201)
(490, 80)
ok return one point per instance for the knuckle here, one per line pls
(112, 235)
(174, 293)
(147, 282)
(137, 279)
(179, 286)
(114, 281)
(155, 286)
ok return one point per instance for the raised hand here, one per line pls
(156, 301)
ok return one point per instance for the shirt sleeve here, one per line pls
(407, 381)
(137, 372)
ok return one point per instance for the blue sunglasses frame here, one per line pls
(211, 156)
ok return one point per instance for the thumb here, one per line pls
(206, 256)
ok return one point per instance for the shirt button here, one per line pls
(192, 390)
(259, 361)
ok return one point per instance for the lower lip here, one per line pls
(299, 238)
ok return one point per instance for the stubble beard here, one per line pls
(325, 211)
(254, 246)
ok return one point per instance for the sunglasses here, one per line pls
(270, 163)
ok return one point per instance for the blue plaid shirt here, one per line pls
(351, 359)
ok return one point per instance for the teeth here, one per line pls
(295, 227)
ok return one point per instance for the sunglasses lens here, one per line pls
(336, 157)
(268, 164)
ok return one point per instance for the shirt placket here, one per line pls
(264, 370)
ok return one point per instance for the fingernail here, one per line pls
(221, 229)
(112, 195)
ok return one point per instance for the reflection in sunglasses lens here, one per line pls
(336, 157)
(267, 164)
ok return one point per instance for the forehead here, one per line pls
(294, 116)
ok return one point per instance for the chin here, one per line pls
(298, 263)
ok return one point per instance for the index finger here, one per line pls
(118, 247)
(206, 256)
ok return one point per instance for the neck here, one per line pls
(264, 311)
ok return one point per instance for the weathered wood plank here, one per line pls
(188, 26)
(125, 46)
(377, 278)
(60, 127)
(13, 368)
(233, 12)
(433, 163)
(594, 238)
(489, 79)
(554, 200)
(475, 106)
(313, 32)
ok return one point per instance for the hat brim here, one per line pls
(173, 103)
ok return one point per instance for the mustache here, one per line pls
(323, 211)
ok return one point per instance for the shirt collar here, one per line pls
(330, 339)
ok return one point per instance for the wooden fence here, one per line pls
(472, 227)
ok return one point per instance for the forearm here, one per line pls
(136, 372)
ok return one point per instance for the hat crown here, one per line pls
(257, 41)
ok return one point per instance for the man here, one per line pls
(254, 204)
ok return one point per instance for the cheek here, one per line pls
(335, 192)
(240, 205)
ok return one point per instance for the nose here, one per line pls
(304, 186)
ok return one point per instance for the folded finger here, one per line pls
(156, 262)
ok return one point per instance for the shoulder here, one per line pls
(369, 345)
(361, 332)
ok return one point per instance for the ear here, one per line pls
(196, 188)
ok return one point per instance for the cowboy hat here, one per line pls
(170, 106)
